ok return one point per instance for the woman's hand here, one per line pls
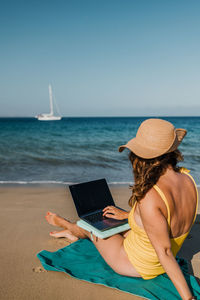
(115, 213)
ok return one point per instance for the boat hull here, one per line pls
(50, 118)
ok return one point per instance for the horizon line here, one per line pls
(117, 116)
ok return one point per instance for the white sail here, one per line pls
(50, 116)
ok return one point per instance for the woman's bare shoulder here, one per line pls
(151, 201)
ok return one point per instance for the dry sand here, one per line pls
(24, 232)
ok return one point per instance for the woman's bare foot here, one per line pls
(64, 233)
(56, 220)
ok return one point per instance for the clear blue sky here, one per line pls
(103, 58)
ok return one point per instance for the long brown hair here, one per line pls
(148, 171)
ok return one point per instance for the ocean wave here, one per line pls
(21, 182)
(57, 182)
(62, 162)
(43, 182)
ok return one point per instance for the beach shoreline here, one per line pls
(25, 232)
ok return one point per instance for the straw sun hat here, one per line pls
(155, 137)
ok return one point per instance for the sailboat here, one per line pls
(50, 116)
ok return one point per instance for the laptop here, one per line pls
(90, 198)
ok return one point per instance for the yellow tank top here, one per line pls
(138, 247)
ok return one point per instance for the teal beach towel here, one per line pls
(81, 260)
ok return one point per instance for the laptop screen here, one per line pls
(91, 196)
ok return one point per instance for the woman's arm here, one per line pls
(156, 227)
(115, 213)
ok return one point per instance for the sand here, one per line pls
(25, 232)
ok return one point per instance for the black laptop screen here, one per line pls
(91, 196)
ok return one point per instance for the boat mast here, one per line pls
(51, 100)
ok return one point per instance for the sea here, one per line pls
(75, 150)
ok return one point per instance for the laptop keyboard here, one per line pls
(95, 217)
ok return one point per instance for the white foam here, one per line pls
(56, 182)
(60, 182)
(31, 182)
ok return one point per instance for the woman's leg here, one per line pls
(111, 249)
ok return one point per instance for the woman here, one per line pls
(164, 206)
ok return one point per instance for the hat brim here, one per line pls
(141, 151)
(147, 152)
